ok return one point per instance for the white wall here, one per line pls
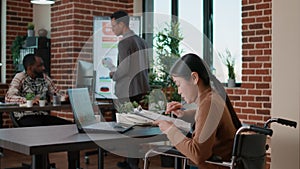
(137, 7)
(3, 42)
(285, 82)
(42, 18)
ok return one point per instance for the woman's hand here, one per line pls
(163, 125)
(175, 108)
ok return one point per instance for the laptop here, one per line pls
(84, 116)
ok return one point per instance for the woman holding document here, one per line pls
(215, 119)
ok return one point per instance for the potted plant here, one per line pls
(29, 99)
(17, 44)
(229, 62)
(30, 29)
(42, 100)
(167, 50)
(123, 109)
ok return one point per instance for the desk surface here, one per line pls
(46, 139)
(34, 108)
(47, 107)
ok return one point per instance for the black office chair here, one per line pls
(249, 149)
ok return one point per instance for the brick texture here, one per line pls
(19, 13)
(252, 101)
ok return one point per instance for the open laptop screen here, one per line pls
(82, 107)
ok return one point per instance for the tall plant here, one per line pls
(168, 51)
(229, 62)
(15, 50)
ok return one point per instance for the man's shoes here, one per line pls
(123, 165)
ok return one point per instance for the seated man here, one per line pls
(33, 80)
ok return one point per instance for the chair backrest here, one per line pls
(251, 151)
(14, 120)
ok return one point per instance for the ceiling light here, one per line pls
(42, 2)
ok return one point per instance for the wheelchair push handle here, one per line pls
(287, 122)
(265, 131)
(281, 121)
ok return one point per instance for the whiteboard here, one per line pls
(105, 45)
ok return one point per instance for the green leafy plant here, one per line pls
(30, 26)
(29, 96)
(229, 62)
(168, 51)
(15, 50)
(43, 96)
(126, 107)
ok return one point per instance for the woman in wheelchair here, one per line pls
(215, 121)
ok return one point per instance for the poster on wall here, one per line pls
(105, 53)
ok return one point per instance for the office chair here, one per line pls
(249, 149)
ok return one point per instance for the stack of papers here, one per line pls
(140, 117)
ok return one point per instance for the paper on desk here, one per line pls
(155, 116)
(107, 62)
(133, 119)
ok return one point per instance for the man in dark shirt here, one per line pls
(131, 76)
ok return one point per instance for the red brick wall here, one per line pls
(19, 13)
(252, 100)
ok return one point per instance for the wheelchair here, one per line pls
(249, 149)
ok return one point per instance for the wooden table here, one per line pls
(39, 141)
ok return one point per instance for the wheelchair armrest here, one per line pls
(217, 160)
(168, 150)
(224, 164)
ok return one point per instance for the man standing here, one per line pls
(131, 76)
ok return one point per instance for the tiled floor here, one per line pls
(13, 159)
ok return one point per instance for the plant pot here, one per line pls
(42, 103)
(30, 33)
(231, 82)
(29, 103)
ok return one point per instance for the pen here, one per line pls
(182, 108)
(183, 103)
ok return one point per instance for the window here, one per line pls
(191, 23)
(227, 35)
(216, 21)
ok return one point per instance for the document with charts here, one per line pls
(145, 116)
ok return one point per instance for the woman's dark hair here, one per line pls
(189, 63)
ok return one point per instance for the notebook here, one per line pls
(84, 114)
